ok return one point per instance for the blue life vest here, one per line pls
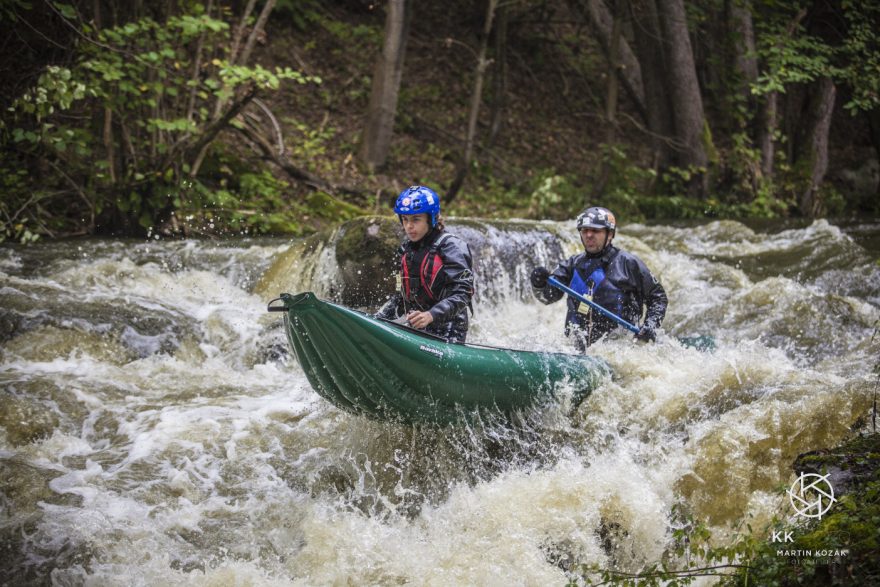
(599, 290)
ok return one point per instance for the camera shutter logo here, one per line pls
(811, 495)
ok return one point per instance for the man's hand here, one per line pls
(646, 334)
(539, 277)
(419, 319)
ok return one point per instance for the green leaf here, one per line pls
(66, 10)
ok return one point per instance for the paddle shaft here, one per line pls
(559, 285)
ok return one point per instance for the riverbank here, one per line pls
(840, 548)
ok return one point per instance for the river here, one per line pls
(154, 430)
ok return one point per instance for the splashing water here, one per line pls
(153, 429)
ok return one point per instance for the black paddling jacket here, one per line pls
(616, 280)
(435, 275)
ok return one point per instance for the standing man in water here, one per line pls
(616, 280)
(436, 279)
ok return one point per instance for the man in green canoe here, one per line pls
(436, 279)
(614, 279)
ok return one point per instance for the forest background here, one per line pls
(182, 118)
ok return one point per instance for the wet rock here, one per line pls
(850, 465)
(302, 267)
(23, 488)
(272, 345)
(46, 343)
(25, 421)
(26, 486)
(354, 264)
(9, 325)
(142, 330)
(366, 255)
(351, 265)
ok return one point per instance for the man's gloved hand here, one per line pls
(539, 277)
(646, 333)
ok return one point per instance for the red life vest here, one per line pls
(419, 273)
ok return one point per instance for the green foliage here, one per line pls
(493, 199)
(861, 55)
(792, 60)
(627, 182)
(246, 203)
(794, 57)
(15, 225)
(555, 196)
(361, 39)
(9, 9)
(309, 144)
(55, 90)
(301, 13)
(160, 86)
(676, 179)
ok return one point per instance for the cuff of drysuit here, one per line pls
(437, 313)
(652, 323)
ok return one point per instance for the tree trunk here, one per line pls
(873, 118)
(499, 79)
(107, 132)
(769, 119)
(602, 22)
(652, 60)
(766, 132)
(476, 100)
(745, 61)
(381, 112)
(684, 90)
(610, 99)
(613, 68)
(813, 160)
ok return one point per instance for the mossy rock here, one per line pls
(851, 464)
(365, 251)
(351, 265)
(293, 270)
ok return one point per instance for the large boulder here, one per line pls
(351, 265)
(354, 264)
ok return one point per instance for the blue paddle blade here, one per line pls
(704, 342)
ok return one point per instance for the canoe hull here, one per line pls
(390, 372)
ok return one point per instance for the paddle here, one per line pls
(701, 343)
(559, 285)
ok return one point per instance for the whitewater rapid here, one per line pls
(155, 430)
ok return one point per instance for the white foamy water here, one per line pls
(154, 431)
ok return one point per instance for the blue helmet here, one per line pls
(418, 199)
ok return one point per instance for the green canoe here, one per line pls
(391, 372)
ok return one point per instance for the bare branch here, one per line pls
(265, 148)
(277, 127)
(212, 130)
(255, 32)
(239, 31)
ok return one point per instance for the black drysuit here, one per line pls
(436, 276)
(616, 280)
